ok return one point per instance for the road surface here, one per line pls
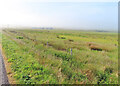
(3, 74)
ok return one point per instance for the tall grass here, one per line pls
(43, 56)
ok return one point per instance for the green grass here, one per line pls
(43, 56)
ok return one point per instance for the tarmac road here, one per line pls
(3, 74)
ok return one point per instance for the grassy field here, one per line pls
(62, 56)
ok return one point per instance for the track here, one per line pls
(3, 74)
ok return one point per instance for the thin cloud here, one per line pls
(64, 15)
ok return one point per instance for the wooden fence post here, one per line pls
(71, 51)
(47, 43)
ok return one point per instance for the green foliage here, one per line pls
(43, 57)
(25, 70)
(19, 37)
(62, 55)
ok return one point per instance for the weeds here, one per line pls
(44, 57)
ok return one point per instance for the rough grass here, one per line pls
(44, 56)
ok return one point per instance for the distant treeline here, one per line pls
(50, 28)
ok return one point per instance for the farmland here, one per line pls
(61, 56)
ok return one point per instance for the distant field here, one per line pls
(62, 56)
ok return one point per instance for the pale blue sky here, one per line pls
(69, 15)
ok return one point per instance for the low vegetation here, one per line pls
(62, 56)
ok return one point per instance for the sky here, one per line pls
(66, 14)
